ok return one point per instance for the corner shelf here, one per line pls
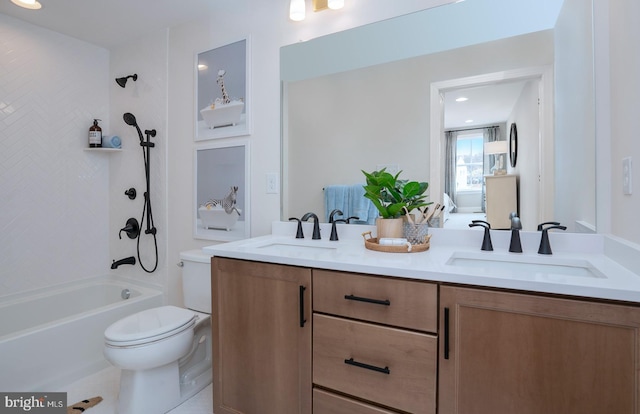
(104, 149)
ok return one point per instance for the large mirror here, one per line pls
(380, 96)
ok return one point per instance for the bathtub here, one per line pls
(54, 336)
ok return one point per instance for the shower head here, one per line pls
(130, 119)
(123, 81)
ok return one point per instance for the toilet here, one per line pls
(164, 353)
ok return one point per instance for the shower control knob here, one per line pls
(131, 193)
(132, 229)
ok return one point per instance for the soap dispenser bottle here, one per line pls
(95, 135)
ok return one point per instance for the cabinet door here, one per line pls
(502, 199)
(261, 337)
(504, 353)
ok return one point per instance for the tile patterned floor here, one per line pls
(105, 384)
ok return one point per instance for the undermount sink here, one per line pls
(528, 264)
(297, 246)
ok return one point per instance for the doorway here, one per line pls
(534, 167)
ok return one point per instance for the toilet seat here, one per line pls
(149, 326)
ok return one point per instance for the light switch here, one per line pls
(627, 174)
(272, 183)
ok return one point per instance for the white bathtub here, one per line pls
(54, 336)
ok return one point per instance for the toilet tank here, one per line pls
(196, 280)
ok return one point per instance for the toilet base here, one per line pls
(158, 390)
(152, 391)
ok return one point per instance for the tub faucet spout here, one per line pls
(127, 260)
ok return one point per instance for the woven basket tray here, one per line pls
(371, 243)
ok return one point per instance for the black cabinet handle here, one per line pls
(301, 302)
(351, 361)
(375, 301)
(446, 333)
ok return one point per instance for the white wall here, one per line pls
(574, 125)
(54, 196)
(525, 116)
(146, 99)
(625, 119)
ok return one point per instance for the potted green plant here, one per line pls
(393, 197)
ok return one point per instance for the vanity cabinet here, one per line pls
(519, 353)
(374, 339)
(384, 345)
(261, 321)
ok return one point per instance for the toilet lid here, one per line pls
(149, 325)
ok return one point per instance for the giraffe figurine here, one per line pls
(220, 81)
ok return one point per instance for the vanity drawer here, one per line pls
(328, 403)
(389, 301)
(388, 366)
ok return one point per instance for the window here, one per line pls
(469, 163)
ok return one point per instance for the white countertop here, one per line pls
(349, 254)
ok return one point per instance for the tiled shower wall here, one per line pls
(146, 99)
(54, 196)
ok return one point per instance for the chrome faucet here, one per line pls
(316, 225)
(515, 246)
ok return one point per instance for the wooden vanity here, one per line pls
(293, 339)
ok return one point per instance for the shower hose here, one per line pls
(146, 209)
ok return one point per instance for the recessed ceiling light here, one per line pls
(27, 4)
(468, 121)
(462, 99)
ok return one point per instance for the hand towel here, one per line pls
(111, 142)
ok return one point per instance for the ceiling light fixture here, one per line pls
(297, 7)
(27, 4)
(462, 99)
(297, 10)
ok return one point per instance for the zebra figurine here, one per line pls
(228, 203)
(220, 81)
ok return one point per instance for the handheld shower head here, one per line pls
(130, 119)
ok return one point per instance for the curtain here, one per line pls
(451, 138)
(489, 134)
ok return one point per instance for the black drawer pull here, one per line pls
(301, 304)
(384, 370)
(446, 333)
(386, 302)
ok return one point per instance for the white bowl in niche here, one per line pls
(217, 218)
